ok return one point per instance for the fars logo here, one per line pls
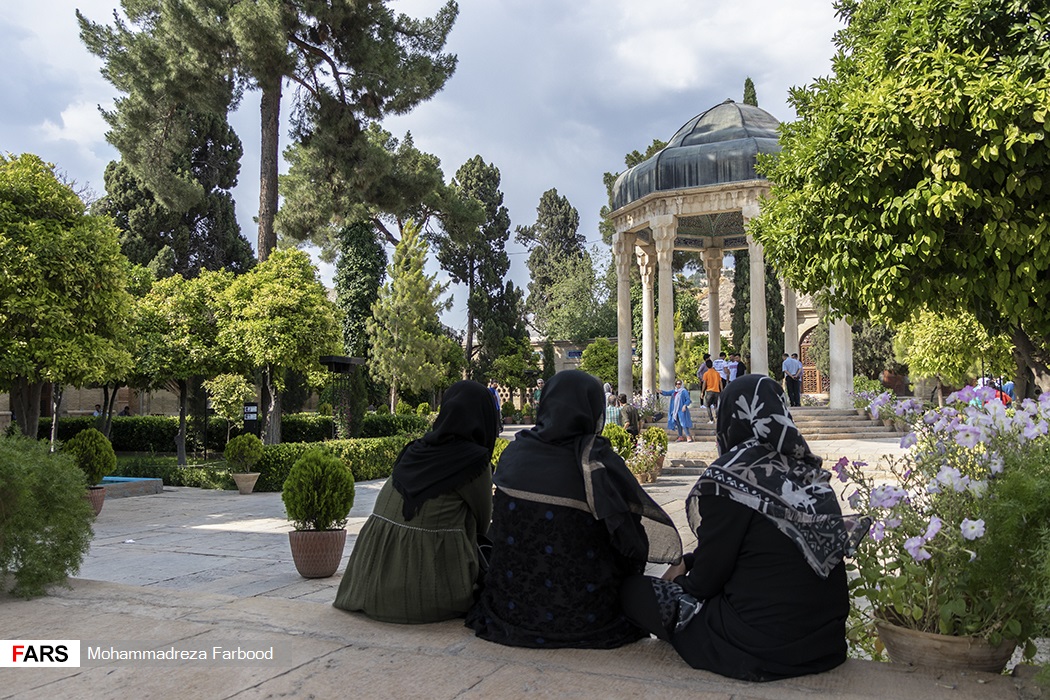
(39, 653)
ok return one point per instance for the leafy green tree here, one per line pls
(873, 350)
(229, 393)
(504, 321)
(408, 349)
(579, 305)
(177, 332)
(204, 236)
(516, 366)
(600, 359)
(952, 348)
(358, 274)
(915, 175)
(548, 359)
(64, 304)
(475, 254)
(351, 63)
(554, 242)
(277, 319)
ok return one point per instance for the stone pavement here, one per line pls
(192, 569)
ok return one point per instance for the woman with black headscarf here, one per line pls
(569, 524)
(764, 594)
(416, 559)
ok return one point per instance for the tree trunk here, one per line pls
(56, 405)
(270, 109)
(180, 437)
(1034, 356)
(272, 423)
(25, 402)
(393, 395)
(109, 400)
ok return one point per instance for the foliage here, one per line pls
(657, 437)
(473, 250)
(575, 303)
(750, 97)
(955, 543)
(951, 347)
(229, 393)
(319, 491)
(873, 350)
(63, 300)
(914, 175)
(351, 63)
(45, 521)
(93, 454)
(621, 440)
(403, 408)
(642, 459)
(600, 358)
(383, 425)
(553, 241)
(204, 236)
(497, 452)
(548, 360)
(508, 410)
(407, 345)
(864, 390)
(278, 319)
(423, 410)
(358, 274)
(503, 322)
(209, 475)
(242, 452)
(516, 367)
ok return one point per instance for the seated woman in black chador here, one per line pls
(416, 559)
(569, 524)
(764, 595)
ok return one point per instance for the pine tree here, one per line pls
(358, 276)
(351, 63)
(408, 349)
(554, 242)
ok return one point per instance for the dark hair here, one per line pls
(623, 398)
(709, 363)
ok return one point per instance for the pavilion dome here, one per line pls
(716, 147)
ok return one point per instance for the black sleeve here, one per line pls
(719, 538)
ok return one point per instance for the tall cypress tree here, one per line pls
(358, 275)
(554, 241)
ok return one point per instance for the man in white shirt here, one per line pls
(722, 367)
(793, 379)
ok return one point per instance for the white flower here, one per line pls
(972, 529)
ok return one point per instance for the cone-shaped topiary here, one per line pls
(93, 453)
(243, 452)
(319, 491)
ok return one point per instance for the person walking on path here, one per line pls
(678, 417)
(712, 386)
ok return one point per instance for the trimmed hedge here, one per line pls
(157, 433)
(211, 476)
(368, 458)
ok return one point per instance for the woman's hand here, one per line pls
(674, 571)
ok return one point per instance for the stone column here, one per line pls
(790, 319)
(647, 268)
(713, 266)
(759, 337)
(663, 236)
(840, 348)
(623, 249)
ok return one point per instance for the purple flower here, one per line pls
(909, 440)
(949, 476)
(978, 487)
(893, 522)
(968, 436)
(914, 546)
(854, 499)
(972, 529)
(995, 463)
(840, 469)
(878, 531)
(933, 528)
(886, 496)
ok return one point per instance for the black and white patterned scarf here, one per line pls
(765, 464)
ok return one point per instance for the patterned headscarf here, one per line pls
(765, 464)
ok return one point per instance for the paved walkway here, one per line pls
(192, 569)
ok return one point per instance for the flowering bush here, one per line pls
(642, 459)
(648, 405)
(960, 540)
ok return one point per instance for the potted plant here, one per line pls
(507, 410)
(959, 548)
(241, 454)
(642, 462)
(318, 495)
(93, 454)
(657, 437)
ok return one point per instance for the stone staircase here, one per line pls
(815, 423)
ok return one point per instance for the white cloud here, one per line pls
(81, 123)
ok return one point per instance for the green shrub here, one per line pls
(45, 521)
(306, 427)
(324, 409)
(507, 409)
(657, 437)
(319, 491)
(203, 476)
(620, 439)
(127, 434)
(501, 444)
(384, 425)
(423, 410)
(367, 458)
(403, 408)
(243, 452)
(92, 454)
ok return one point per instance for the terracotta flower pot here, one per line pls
(245, 481)
(906, 646)
(96, 495)
(317, 553)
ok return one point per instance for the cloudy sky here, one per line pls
(553, 92)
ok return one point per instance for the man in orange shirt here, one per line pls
(712, 385)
